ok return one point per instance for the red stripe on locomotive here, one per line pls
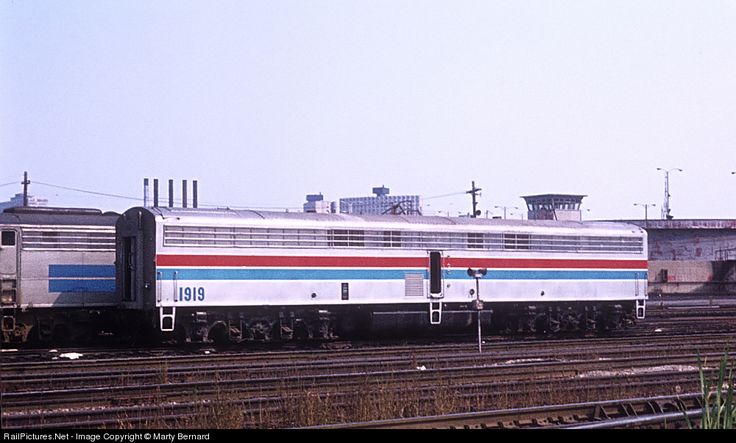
(391, 262)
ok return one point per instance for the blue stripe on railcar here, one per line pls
(81, 285)
(82, 271)
(81, 278)
(387, 274)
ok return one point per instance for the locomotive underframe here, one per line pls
(63, 326)
(236, 324)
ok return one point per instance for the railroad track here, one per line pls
(334, 392)
(178, 414)
(60, 394)
(669, 411)
(99, 372)
(251, 387)
(275, 388)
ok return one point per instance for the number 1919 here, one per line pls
(191, 294)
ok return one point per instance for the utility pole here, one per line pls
(475, 191)
(25, 184)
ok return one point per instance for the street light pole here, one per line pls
(504, 209)
(666, 207)
(646, 206)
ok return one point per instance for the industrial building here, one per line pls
(691, 256)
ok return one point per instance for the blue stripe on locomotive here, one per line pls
(81, 285)
(82, 271)
(388, 274)
(81, 278)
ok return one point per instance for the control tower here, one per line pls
(554, 206)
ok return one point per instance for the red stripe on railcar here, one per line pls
(391, 262)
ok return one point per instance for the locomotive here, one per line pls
(228, 275)
(68, 275)
(57, 273)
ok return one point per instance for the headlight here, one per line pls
(7, 298)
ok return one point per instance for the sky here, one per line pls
(264, 102)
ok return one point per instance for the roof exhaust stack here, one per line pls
(171, 193)
(145, 192)
(155, 193)
(183, 193)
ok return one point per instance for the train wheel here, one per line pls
(260, 329)
(569, 322)
(180, 335)
(61, 335)
(511, 324)
(301, 331)
(219, 334)
(602, 324)
(33, 338)
(541, 324)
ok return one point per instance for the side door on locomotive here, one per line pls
(436, 286)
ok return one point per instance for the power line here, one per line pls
(85, 191)
(262, 208)
(444, 195)
(176, 200)
(204, 204)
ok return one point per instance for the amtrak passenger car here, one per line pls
(229, 275)
(57, 272)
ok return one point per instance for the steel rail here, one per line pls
(26, 370)
(16, 382)
(469, 390)
(487, 375)
(639, 422)
(537, 369)
(273, 405)
(577, 415)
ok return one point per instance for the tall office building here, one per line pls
(382, 203)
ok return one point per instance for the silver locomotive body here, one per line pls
(223, 275)
(57, 272)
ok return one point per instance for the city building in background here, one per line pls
(17, 201)
(317, 203)
(382, 203)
